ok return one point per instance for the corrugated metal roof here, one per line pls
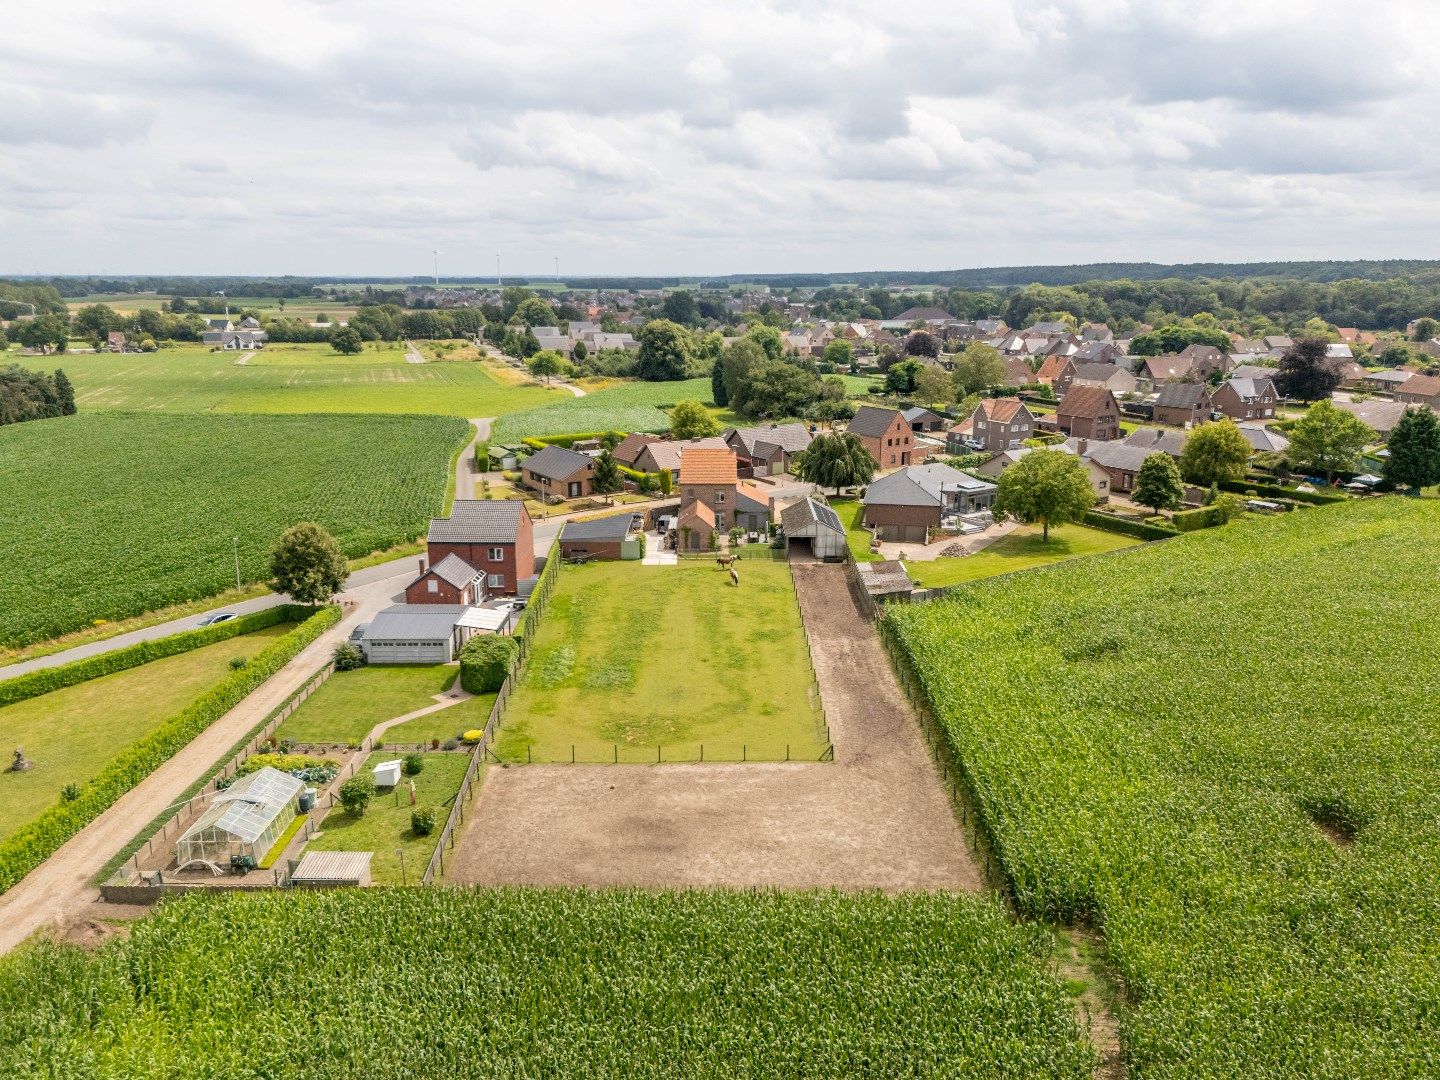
(478, 521)
(333, 866)
(415, 622)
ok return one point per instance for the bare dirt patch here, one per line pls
(1081, 966)
(875, 818)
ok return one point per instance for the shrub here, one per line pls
(1126, 527)
(451, 744)
(485, 661)
(70, 792)
(356, 793)
(471, 737)
(413, 765)
(237, 662)
(34, 842)
(422, 820)
(348, 657)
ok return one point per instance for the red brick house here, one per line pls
(628, 449)
(1182, 404)
(496, 537)
(1057, 372)
(1246, 399)
(886, 434)
(450, 581)
(558, 473)
(1088, 412)
(1419, 390)
(1001, 424)
(710, 477)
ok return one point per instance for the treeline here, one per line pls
(33, 395)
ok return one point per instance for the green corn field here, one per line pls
(1222, 751)
(450, 983)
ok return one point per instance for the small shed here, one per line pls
(418, 633)
(600, 538)
(812, 521)
(387, 773)
(885, 579)
(332, 869)
(245, 819)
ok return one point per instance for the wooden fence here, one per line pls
(534, 609)
(129, 870)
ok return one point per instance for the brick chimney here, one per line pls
(422, 564)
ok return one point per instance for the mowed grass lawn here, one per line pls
(470, 714)
(629, 658)
(850, 511)
(1020, 550)
(70, 734)
(385, 826)
(291, 380)
(350, 703)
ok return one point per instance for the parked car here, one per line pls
(217, 617)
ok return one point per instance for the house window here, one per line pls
(497, 554)
(496, 581)
(432, 585)
(720, 497)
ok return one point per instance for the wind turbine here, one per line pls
(436, 256)
(498, 282)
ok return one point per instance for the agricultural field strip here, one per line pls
(1204, 749)
(155, 527)
(555, 983)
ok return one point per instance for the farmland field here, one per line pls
(293, 380)
(629, 658)
(636, 406)
(548, 983)
(1224, 751)
(104, 516)
(70, 733)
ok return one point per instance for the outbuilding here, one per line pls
(611, 537)
(815, 524)
(332, 869)
(243, 822)
(420, 633)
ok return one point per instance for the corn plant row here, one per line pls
(1223, 751)
(448, 982)
(36, 841)
(109, 515)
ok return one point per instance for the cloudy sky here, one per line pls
(354, 137)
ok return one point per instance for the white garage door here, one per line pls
(407, 652)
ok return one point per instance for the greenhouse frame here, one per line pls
(245, 819)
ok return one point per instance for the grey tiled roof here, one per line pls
(455, 570)
(478, 521)
(556, 463)
(872, 421)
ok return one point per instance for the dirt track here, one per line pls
(876, 818)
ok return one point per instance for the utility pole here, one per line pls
(236, 542)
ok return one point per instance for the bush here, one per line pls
(413, 764)
(356, 793)
(1204, 518)
(237, 662)
(69, 793)
(470, 737)
(36, 841)
(348, 657)
(451, 744)
(485, 661)
(422, 820)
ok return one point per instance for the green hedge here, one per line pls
(1275, 491)
(532, 610)
(567, 441)
(1125, 527)
(485, 661)
(78, 671)
(36, 841)
(1205, 517)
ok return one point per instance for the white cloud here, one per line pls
(753, 135)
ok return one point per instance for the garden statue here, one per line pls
(20, 763)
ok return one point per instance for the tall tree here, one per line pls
(769, 340)
(933, 383)
(64, 393)
(308, 564)
(1215, 452)
(1327, 439)
(839, 355)
(606, 478)
(1304, 373)
(1414, 446)
(1158, 484)
(922, 343)
(45, 332)
(533, 311)
(679, 307)
(978, 368)
(1049, 487)
(665, 352)
(900, 378)
(736, 363)
(546, 364)
(346, 340)
(834, 460)
(691, 420)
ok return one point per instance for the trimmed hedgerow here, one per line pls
(1126, 527)
(35, 842)
(485, 662)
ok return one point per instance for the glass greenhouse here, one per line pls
(245, 819)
